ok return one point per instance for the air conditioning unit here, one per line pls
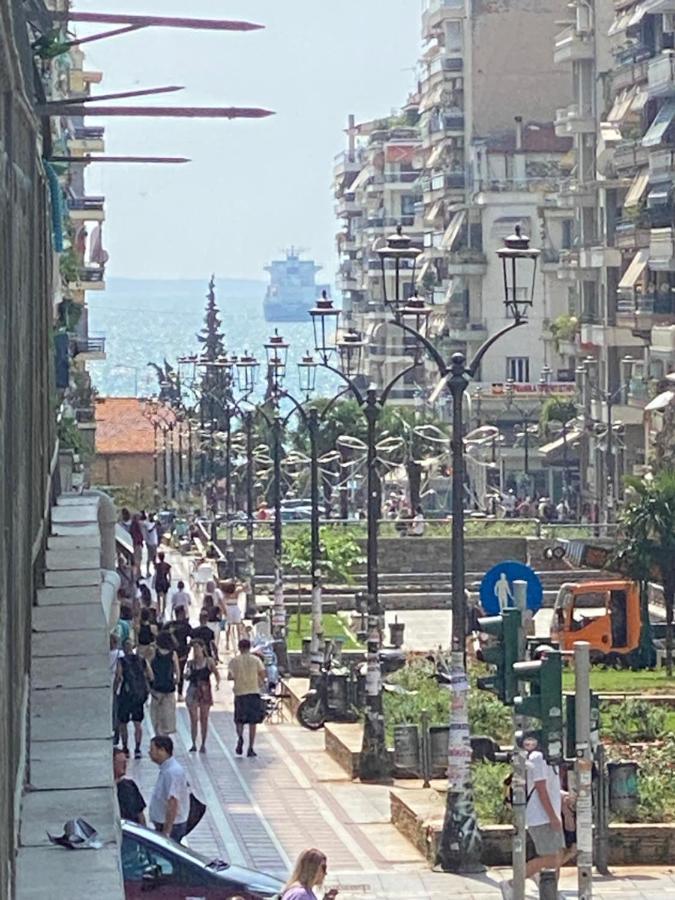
(669, 22)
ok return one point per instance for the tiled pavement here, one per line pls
(263, 812)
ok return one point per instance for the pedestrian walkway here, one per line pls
(263, 812)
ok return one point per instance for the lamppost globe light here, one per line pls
(398, 249)
(307, 374)
(247, 372)
(417, 312)
(325, 319)
(276, 350)
(350, 351)
(517, 298)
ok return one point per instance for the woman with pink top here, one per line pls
(309, 872)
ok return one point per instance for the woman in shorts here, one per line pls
(233, 615)
(199, 698)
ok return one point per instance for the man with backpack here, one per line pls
(543, 813)
(134, 690)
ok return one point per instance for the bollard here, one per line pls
(583, 768)
(425, 749)
(548, 884)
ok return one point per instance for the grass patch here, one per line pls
(619, 681)
(333, 627)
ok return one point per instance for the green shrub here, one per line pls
(633, 720)
(488, 793)
(402, 709)
(489, 716)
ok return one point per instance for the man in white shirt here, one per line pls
(181, 598)
(170, 803)
(543, 814)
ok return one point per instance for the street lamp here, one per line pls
(459, 848)
(325, 320)
(528, 417)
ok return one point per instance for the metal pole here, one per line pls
(229, 549)
(583, 768)
(460, 845)
(278, 609)
(610, 459)
(602, 813)
(181, 484)
(155, 459)
(519, 766)
(374, 759)
(548, 884)
(316, 648)
(190, 472)
(164, 464)
(250, 516)
(527, 450)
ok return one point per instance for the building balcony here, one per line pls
(630, 155)
(88, 349)
(631, 234)
(347, 205)
(659, 7)
(439, 69)
(79, 80)
(86, 209)
(346, 164)
(444, 126)
(574, 195)
(628, 74)
(663, 342)
(86, 139)
(661, 165)
(571, 120)
(89, 278)
(599, 258)
(467, 262)
(437, 11)
(438, 186)
(662, 249)
(661, 75)
(597, 334)
(572, 46)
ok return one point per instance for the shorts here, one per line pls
(199, 695)
(163, 712)
(138, 554)
(546, 839)
(130, 709)
(248, 709)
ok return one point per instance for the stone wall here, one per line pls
(123, 470)
(419, 555)
(26, 405)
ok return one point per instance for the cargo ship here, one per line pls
(292, 290)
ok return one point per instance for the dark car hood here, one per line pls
(257, 882)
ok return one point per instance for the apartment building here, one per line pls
(619, 269)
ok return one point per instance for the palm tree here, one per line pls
(647, 549)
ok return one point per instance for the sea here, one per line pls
(150, 321)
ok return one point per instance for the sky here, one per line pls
(253, 187)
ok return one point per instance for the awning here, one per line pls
(659, 126)
(571, 439)
(426, 265)
(434, 211)
(431, 98)
(435, 157)
(622, 104)
(452, 231)
(637, 189)
(610, 133)
(634, 270)
(639, 101)
(661, 401)
(620, 23)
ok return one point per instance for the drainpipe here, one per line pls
(519, 176)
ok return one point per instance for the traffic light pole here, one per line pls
(583, 769)
(519, 766)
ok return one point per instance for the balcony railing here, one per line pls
(91, 274)
(86, 204)
(628, 74)
(629, 155)
(88, 345)
(446, 123)
(661, 75)
(88, 133)
(631, 234)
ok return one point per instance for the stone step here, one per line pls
(74, 559)
(50, 619)
(71, 875)
(88, 541)
(67, 596)
(82, 514)
(75, 529)
(43, 811)
(75, 500)
(68, 765)
(76, 671)
(62, 643)
(76, 578)
(78, 714)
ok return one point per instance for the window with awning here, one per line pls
(361, 179)
(637, 190)
(431, 98)
(436, 156)
(657, 130)
(635, 269)
(622, 105)
(453, 230)
(434, 212)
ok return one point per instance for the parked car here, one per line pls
(154, 864)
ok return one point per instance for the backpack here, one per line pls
(507, 789)
(134, 682)
(163, 674)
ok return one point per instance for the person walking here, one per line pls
(181, 632)
(116, 654)
(309, 872)
(129, 798)
(147, 634)
(165, 675)
(181, 599)
(233, 615)
(134, 675)
(543, 814)
(170, 801)
(137, 540)
(248, 674)
(151, 537)
(198, 697)
(205, 633)
(162, 582)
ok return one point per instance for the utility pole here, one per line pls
(583, 768)
(250, 513)
(519, 765)
(316, 645)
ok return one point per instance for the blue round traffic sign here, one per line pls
(496, 588)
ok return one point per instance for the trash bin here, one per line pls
(305, 655)
(396, 630)
(623, 788)
(438, 749)
(407, 748)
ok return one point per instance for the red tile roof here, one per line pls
(121, 426)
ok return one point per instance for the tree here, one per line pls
(646, 549)
(340, 552)
(211, 335)
(556, 410)
(344, 418)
